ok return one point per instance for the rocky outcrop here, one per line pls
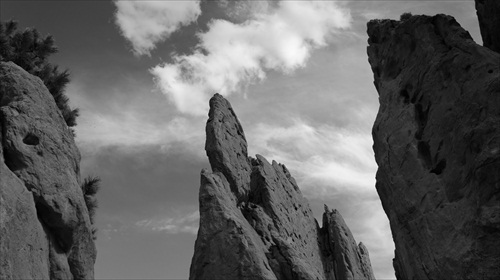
(254, 221)
(488, 13)
(437, 145)
(44, 223)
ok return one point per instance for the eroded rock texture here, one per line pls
(437, 145)
(45, 230)
(254, 221)
(488, 13)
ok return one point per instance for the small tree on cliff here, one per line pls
(30, 50)
(405, 16)
(90, 187)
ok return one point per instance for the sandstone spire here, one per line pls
(254, 221)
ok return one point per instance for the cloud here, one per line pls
(130, 131)
(231, 56)
(242, 10)
(125, 119)
(146, 23)
(187, 223)
(340, 158)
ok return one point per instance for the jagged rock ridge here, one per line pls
(437, 145)
(255, 223)
(45, 229)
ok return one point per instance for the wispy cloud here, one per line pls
(146, 23)
(179, 223)
(241, 10)
(130, 130)
(124, 122)
(231, 56)
(322, 155)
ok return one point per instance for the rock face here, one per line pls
(488, 13)
(437, 145)
(254, 221)
(45, 230)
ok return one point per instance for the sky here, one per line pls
(295, 72)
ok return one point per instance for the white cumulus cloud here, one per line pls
(231, 56)
(146, 23)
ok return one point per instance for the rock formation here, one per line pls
(437, 145)
(45, 230)
(488, 13)
(254, 221)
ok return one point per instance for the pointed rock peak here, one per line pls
(254, 221)
(326, 208)
(351, 260)
(226, 146)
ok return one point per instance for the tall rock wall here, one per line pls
(488, 13)
(437, 145)
(45, 229)
(254, 221)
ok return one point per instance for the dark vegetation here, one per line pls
(30, 50)
(90, 187)
(405, 16)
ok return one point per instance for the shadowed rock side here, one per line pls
(44, 223)
(437, 145)
(255, 223)
(488, 13)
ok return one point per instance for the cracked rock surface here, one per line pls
(44, 223)
(254, 221)
(437, 145)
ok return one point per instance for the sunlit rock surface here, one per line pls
(254, 221)
(437, 145)
(45, 230)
